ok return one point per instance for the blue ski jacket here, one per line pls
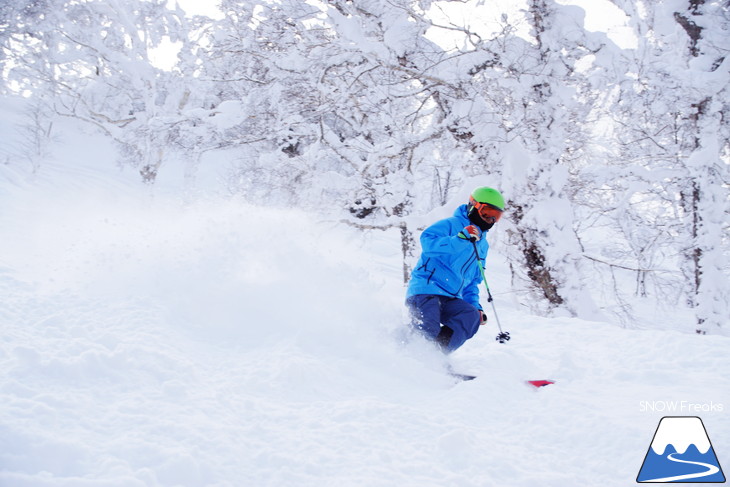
(448, 264)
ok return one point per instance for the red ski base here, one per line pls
(540, 383)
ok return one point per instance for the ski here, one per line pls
(462, 377)
(534, 383)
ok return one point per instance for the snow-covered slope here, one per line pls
(155, 340)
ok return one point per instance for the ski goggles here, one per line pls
(488, 213)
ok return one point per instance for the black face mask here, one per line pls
(477, 220)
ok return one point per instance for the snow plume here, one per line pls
(139, 331)
(222, 268)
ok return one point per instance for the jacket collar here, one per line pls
(461, 212)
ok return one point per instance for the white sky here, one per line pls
(199, 7)
(604, 16)
(482, 16)
(485, 18)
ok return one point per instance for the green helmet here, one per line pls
(489, 196)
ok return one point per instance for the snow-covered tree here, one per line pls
(673, 131)
(338, 103)
(360, 106)
(92, 61)
(334, 90)
(521, 115)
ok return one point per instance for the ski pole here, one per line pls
(503, 335)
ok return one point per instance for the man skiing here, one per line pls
(443, 293)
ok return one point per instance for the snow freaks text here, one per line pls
(682, 407)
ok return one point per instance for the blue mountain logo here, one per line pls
(681, 452)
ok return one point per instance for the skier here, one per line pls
(443, 293)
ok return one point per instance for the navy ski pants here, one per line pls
(448, 321)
